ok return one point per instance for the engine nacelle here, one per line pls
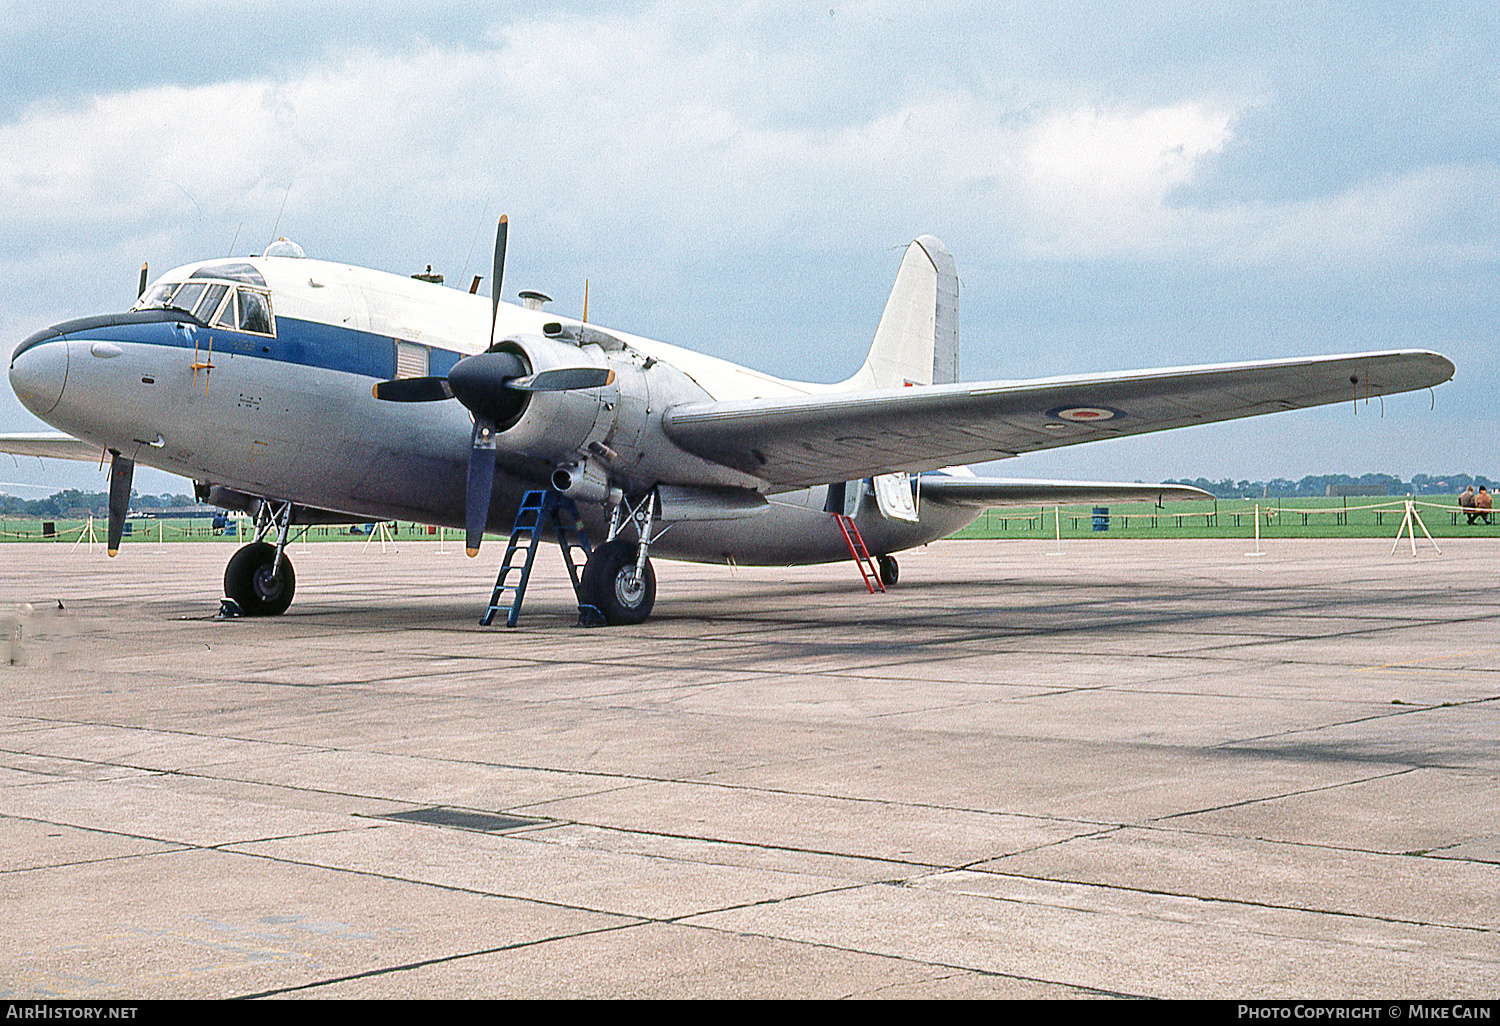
(556, 426)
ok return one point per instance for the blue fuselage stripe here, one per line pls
(308, 343)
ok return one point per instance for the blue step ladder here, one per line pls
(539, 509)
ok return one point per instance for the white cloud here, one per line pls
(616, 137)
(1094, 155)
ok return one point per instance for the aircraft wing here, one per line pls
(841, 436)
(50, 445)
(984, 492)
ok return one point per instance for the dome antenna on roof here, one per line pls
(285, 247)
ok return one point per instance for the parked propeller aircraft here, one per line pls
(308, 392)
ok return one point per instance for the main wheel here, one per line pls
(250, 580)
(890, 570)
(611, 586)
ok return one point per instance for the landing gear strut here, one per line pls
(259, 577)
(619, 581)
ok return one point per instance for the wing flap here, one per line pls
(841, 436)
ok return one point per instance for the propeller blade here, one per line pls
(413, 390)
(141, 288)
(481, 483)
(563, 379)
(121, 471)
(500, 233)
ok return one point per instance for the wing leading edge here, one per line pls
(806, 440)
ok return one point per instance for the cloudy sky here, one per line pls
(1122, 186)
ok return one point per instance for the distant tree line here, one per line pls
(70, 500)
(1367, 484)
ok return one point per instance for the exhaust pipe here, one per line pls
(584, 482)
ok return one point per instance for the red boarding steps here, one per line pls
(861, 554)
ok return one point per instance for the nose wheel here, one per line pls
(259, 577)
(890, 570)
(255, 583)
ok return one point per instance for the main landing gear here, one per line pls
(259, 577)
(618, 583)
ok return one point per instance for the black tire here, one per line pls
(609, 584)
(890, 570)
(248, 580)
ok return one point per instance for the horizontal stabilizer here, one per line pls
(49, 445)
(983, 492)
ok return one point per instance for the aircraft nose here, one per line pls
(38, 371)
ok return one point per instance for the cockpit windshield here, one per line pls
(157, 296)
(236, 308)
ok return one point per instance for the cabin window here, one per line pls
(411, 360)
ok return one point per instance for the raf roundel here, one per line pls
(1085, 414)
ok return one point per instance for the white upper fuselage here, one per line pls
(444, 318)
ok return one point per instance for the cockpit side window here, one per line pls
(226, 317)
(255, 312)
(209, 304)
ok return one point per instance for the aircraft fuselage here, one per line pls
(281, 407)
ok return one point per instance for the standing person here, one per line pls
(1484, 502)
(1466, 503)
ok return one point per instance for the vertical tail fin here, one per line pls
(917, 340)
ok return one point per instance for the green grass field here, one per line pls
(1235, 518)
(1227, 518)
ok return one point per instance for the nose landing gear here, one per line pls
(259, 576)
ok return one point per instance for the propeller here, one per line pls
(493, 385)
(121, 471)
